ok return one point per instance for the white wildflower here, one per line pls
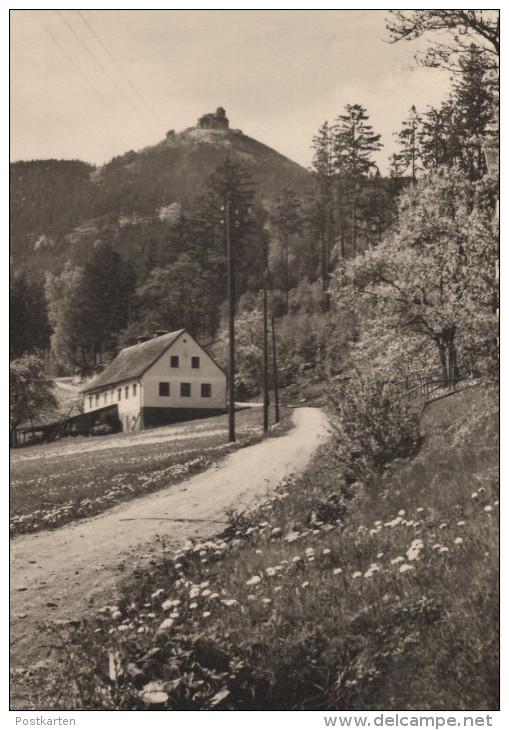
(405, 568)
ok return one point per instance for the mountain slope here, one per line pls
(60, 208)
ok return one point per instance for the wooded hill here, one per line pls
(368, 272)
(59, 205)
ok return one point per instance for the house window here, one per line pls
(206, 390)
(96, 398)
(164, 389)
(105, 396)
(134, 390)
(174, 361)
(185, 390)
(119, 393)
(127, 391)
(195, 362)
(90, 401)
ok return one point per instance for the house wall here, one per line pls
(166, 408)
(162, 372)
(129, 405)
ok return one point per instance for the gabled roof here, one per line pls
(133, 361)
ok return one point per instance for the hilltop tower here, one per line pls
(217, 120)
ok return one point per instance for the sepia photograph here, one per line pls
(254, 364)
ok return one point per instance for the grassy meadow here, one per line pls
(56, 483)
(330, 596)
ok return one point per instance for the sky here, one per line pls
(93, 84)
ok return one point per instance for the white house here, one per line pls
(164, 379)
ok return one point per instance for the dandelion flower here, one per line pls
(401, 512)
(368, 574)
(277, 588)
(442, 526)
(251, 597)
(378, 523)
(266, 601)
(458, 541)
(166, 624)
(167, 605)
(337, 571)
(326, 551)
(420, 509)
(305, 584)
(253, 581)
(399, 559)
(311, 558)
(357, 574)
(194, 592)
(157, 593)
(296, 559)
(436, 546)
(444, 549)
(270, 571)
(309, 551)
(405, 568)
(258, 552)
(206, 593)
(474, 495)
(230, 602)
(379, 555)
(488, 508)
(193, 605)
(461, 523)
(206, 614)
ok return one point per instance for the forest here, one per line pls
(399, 271)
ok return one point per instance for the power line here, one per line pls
(93, 57)
(126, 77)
(77, 68)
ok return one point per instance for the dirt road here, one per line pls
(61, 574)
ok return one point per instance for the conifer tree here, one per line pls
(286, 220)
(354, 145)
(325, 173)
(409, 153)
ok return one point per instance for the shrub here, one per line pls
(373, 426)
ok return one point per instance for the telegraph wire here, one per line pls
(126, 77)
(102, 68)
(77, 68)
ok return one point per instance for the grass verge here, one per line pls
(331, 596)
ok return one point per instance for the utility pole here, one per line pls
(274, 369)
(265, 360)
(231, 325)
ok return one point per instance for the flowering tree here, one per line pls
(432, 285)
